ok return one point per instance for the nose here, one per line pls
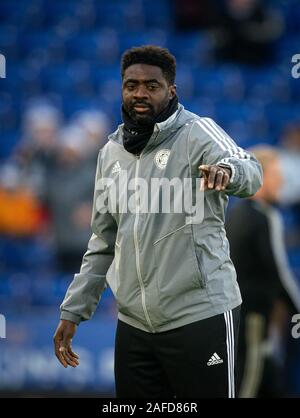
(140, 92)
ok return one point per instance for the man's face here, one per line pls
(145, 92)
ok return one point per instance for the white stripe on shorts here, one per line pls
(230, 352)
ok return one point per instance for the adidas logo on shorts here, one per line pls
(215, 359)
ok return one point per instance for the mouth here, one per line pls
(141, 108)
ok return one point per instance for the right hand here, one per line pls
(215, 177)
(62, 343)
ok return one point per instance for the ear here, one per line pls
(172, 91)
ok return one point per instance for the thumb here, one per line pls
(204, 168)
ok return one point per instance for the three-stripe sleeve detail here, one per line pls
(222, 139)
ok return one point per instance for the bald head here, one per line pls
(272, 173)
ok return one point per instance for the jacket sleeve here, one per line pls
(209, 144)
(84, 292)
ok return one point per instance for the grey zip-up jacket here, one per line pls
(164, 272)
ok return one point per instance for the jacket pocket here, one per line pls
(177, 264)
(200, 266)
(178, 277)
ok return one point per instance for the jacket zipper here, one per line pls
(137, 253)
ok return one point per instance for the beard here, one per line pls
(145, 118)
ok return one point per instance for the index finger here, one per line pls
(59, 354)
(204, 168)
(72, 353)
(212, 177)
(67, 357)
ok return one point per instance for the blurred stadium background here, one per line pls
(61, 96)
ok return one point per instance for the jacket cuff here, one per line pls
(69, 316)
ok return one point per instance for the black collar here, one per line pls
(136, 136)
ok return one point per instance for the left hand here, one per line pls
(62, 343)
(215, 177)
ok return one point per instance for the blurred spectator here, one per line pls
(37, 151)
(290, 196)
(58, 168)
(290, 159)
(95, 125)
(246, 32)
(255, 233)
(23, 221)
(21, 214)
(70, 192)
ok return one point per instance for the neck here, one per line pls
(136, 135)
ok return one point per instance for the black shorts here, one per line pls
(197, 360)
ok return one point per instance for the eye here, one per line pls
(130, 87)
(152, 87)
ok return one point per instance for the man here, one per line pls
(174, 283)
(255, 234)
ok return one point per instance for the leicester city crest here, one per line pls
(161, 158)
